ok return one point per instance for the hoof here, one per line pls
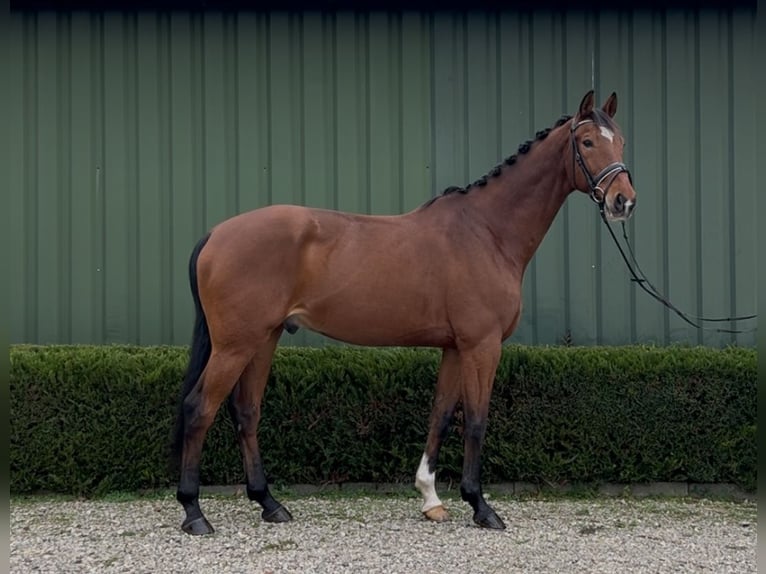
(437, 514)
(198, 527)
(489, 520)
(279, 514)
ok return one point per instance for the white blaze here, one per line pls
(607, 133)
(425, 482)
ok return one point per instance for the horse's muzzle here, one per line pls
(620, 208)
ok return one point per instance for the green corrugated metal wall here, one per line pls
(132, 133)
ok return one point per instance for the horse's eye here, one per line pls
(587, 143)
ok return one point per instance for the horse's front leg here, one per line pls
(478, 365)
(445, 398)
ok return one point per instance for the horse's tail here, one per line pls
(199, 355)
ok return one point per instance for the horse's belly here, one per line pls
(360, 323)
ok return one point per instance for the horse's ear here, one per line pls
(586, 105)
(610, 105)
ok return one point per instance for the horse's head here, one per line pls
(597, 166)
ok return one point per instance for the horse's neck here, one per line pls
(521, 204)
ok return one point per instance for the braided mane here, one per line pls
(498, 169)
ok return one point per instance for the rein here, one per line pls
(637, 274)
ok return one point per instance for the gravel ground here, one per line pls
(362, 534)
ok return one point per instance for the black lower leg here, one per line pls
(470, 486)
(188, 495)
(195, 522)
(188, 485)
(257, 488)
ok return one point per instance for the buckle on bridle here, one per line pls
(595, 199)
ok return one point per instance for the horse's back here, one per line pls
(296, 227)
(274, 220)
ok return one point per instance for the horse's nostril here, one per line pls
(619, 202)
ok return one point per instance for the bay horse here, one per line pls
(447, 274)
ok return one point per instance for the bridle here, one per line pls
(596, 186)
(608, 174)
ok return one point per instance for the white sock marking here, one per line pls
(607, 133)
(425, 482)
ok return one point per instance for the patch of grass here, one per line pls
(280, 546)
(122, 496)
(41, 497)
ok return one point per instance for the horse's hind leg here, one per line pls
(245, 409)
(445, 398)
(200, 407)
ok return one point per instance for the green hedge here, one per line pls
(95, 419)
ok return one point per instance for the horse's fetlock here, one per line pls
(258, 494)
(187, 496)
(470, 491)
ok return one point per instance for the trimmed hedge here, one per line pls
(89, 420)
